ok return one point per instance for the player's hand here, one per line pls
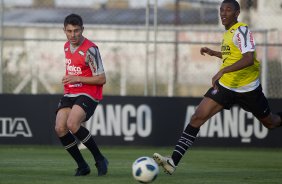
(206, 50)
(70, 79)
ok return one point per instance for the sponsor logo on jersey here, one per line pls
(75, 85)
(72, 69)
(225, 49)
(239, 41)
(91, 60)
(81, 53)
(252, 40)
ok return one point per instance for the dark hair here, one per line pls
(73, 19)
(234, 2)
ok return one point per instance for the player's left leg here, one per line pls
(86, 138)
(272, 120)
(255, 102)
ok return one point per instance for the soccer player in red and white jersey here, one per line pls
(83, 86)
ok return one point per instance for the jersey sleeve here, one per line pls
(94, 61)
(244, 40)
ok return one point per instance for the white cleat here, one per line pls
(166, 162)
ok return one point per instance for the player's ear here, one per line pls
(237, 13)
(82, 29)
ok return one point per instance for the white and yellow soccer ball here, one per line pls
(145, 169)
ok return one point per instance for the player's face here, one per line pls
(228, 15)
(74, 34)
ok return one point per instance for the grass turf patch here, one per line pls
(52, 164)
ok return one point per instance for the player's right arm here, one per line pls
(210, 52)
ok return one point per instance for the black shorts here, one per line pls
(86, 103)
(253, 101)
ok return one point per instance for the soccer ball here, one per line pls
(145, 169)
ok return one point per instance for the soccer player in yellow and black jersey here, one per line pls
(237, 82)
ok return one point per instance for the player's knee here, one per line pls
(60, 130)
(72, 126)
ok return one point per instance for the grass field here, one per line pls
(52, 165)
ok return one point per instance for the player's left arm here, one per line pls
(244, 40)
(94, 60)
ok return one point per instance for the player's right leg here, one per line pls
(206, 109)
(184, 143)
(69, 142)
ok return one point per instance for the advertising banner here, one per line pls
(149, 121)
(27, 119)
(159, 121)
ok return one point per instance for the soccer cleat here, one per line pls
(166, 162)
(102, 167)
(82, 171)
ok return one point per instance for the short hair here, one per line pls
(73, 19)
(234, 2)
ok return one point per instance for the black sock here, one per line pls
(86, 138)
(184, 143)
(70, 145)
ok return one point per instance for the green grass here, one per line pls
(52, 165)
